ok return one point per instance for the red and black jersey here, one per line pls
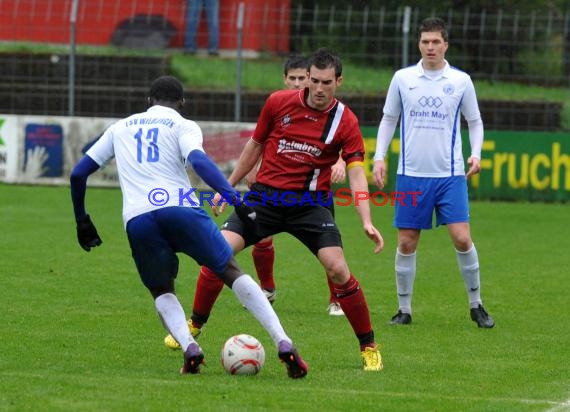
(302, 144)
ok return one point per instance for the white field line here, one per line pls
(555, 406)
(564, 406)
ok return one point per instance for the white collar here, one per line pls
(422, 71)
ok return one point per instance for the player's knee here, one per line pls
(407, 246)
(338, 272)
(408, 240)
(406, 249)
(463, 243)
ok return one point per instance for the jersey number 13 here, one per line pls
(152, 154)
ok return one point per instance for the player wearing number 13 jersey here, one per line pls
(162, 218)
(146, 146)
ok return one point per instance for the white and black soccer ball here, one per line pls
(243, 355)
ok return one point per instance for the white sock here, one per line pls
(251, 296)
(469, 268)
(405, 276)
(174, 319)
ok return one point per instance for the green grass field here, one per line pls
(79, 331)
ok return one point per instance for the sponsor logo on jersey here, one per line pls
(448, 89)
(286, 121)
(286, 146)
(430, 102)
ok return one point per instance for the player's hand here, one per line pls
(474, 167)
(219, 203)
(250, 177)
(87, 235)
(379, 173)
(374, 235)
(338, 171)
(247, 215)
(217, 206)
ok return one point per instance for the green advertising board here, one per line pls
(531, 166)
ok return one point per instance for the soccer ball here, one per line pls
(243, 355)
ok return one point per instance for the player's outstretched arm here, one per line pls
(211, 174)
(214, 178)
(360, 196)
(248, 158)
(87, 235)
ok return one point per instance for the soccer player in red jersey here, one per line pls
(300, 134)
(295, 77)
(263, 252)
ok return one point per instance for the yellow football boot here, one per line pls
(371, 359)
(171, 343)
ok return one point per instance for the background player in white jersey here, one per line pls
(428, 98)
(163, 217)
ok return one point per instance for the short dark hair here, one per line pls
(166, 89)
(295, 61)
(433, 24)
(324, 58)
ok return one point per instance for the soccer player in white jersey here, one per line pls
(163, 217)
(429, 98)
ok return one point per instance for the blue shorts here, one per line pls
(155, 238)
(446, 195)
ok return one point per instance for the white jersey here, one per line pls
(150, 150)
(430, 137)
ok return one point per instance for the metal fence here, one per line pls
(526, 47)
(532, 47)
